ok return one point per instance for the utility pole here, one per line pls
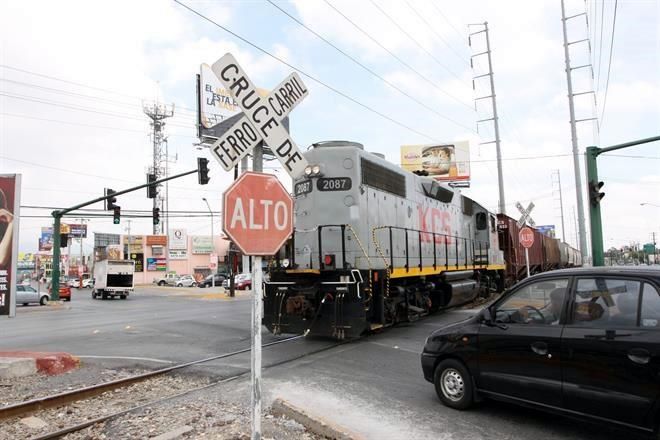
(561, 205)
(574, 138)
(158, 113)
(494, 118)
(82, 259)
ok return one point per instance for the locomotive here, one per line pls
(374, 245)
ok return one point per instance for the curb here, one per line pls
(45, 362)
(313, 423)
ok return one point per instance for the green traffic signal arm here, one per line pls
(57, 215)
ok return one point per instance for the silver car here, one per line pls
(29, 295)
(186, 281)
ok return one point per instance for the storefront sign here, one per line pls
(202, 244)
(156, 264)
(178, 254)
(139, 261)
(156, 240)
(178, 239)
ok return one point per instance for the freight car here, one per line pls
(546, 253)
(375, 245)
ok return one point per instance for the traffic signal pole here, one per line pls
(594, 186)
(58, 214)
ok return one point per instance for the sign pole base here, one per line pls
(257, 278)
(527, 260)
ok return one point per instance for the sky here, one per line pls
(74, 76)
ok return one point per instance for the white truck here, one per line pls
(113, 278)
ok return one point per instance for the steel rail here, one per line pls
(88, 423)
(95, 390)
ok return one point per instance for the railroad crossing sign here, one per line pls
(526, 215)
(258, 214)
(261, 120)
(526, 237)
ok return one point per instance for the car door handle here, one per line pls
(639, 356)
(540, 348)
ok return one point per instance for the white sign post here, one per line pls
(526, 235)
(262, 119)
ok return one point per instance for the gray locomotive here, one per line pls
(375, 245)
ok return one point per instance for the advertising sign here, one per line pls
(447, 162)
(548, 230)
(46, 240)
(78, 231)
(156, 264)
(202, 244)
(10, 201)
(139, 261)
(178, 254)
(113, 252)
(103, 240)
(215, 102)
(178, 239)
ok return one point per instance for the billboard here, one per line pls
(446, 162)
(202, 244)
(10, 201)
(178, 239)
(548, 230)
(103, 240)
(46, 239)
(78, 231)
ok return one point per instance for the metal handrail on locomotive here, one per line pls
(375, 245)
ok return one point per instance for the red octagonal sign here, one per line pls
(258, 214)
(526, 237)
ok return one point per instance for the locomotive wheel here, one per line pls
(453, 384)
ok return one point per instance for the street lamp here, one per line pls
(212, 241)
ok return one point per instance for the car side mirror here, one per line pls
(486, 316)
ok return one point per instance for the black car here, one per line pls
(208, 282)
(583, 342)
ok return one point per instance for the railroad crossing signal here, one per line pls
(526, 215)
(261, 120)
(526, 237)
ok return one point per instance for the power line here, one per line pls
(393, 55)
(5, 66)
(609, 66)
(461, 36)
(415, 41)
(421, 17)
(389, 83)
(91, 125)
(307, 75)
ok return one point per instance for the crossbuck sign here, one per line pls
(262, 118)
(526, 215)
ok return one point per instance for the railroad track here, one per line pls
(63, 399)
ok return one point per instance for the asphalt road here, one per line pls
(373, 386)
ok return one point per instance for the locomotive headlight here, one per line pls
(286, 263)
(308, 170)
(316, 169)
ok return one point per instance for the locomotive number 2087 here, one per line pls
(334, 184)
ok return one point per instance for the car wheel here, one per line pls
(161, 283)
(179, 285)
(193, 285)
(122, 296)
(25, 304)
(93, 294)
(453, 384)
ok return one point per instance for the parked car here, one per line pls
(65, 292)
(219, 280)
(242, 281)
(186, 281)
(73, 282)
(168, 279)
(29, 295)
(88, 283)
(582, 342)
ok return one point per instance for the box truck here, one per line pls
(113, 278)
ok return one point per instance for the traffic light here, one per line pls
(116, 218)
(110, 202)
(156, 215)
(152, 191)
(202, 170)
(595, 196)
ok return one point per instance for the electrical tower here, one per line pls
(494, 118)
(158, 113)
(571, 107)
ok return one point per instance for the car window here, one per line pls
(650, 307)
(20, 288)
(606, 302)
(536, 303)
(29, 289)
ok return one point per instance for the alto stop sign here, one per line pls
(526, 237)
(258, 214)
